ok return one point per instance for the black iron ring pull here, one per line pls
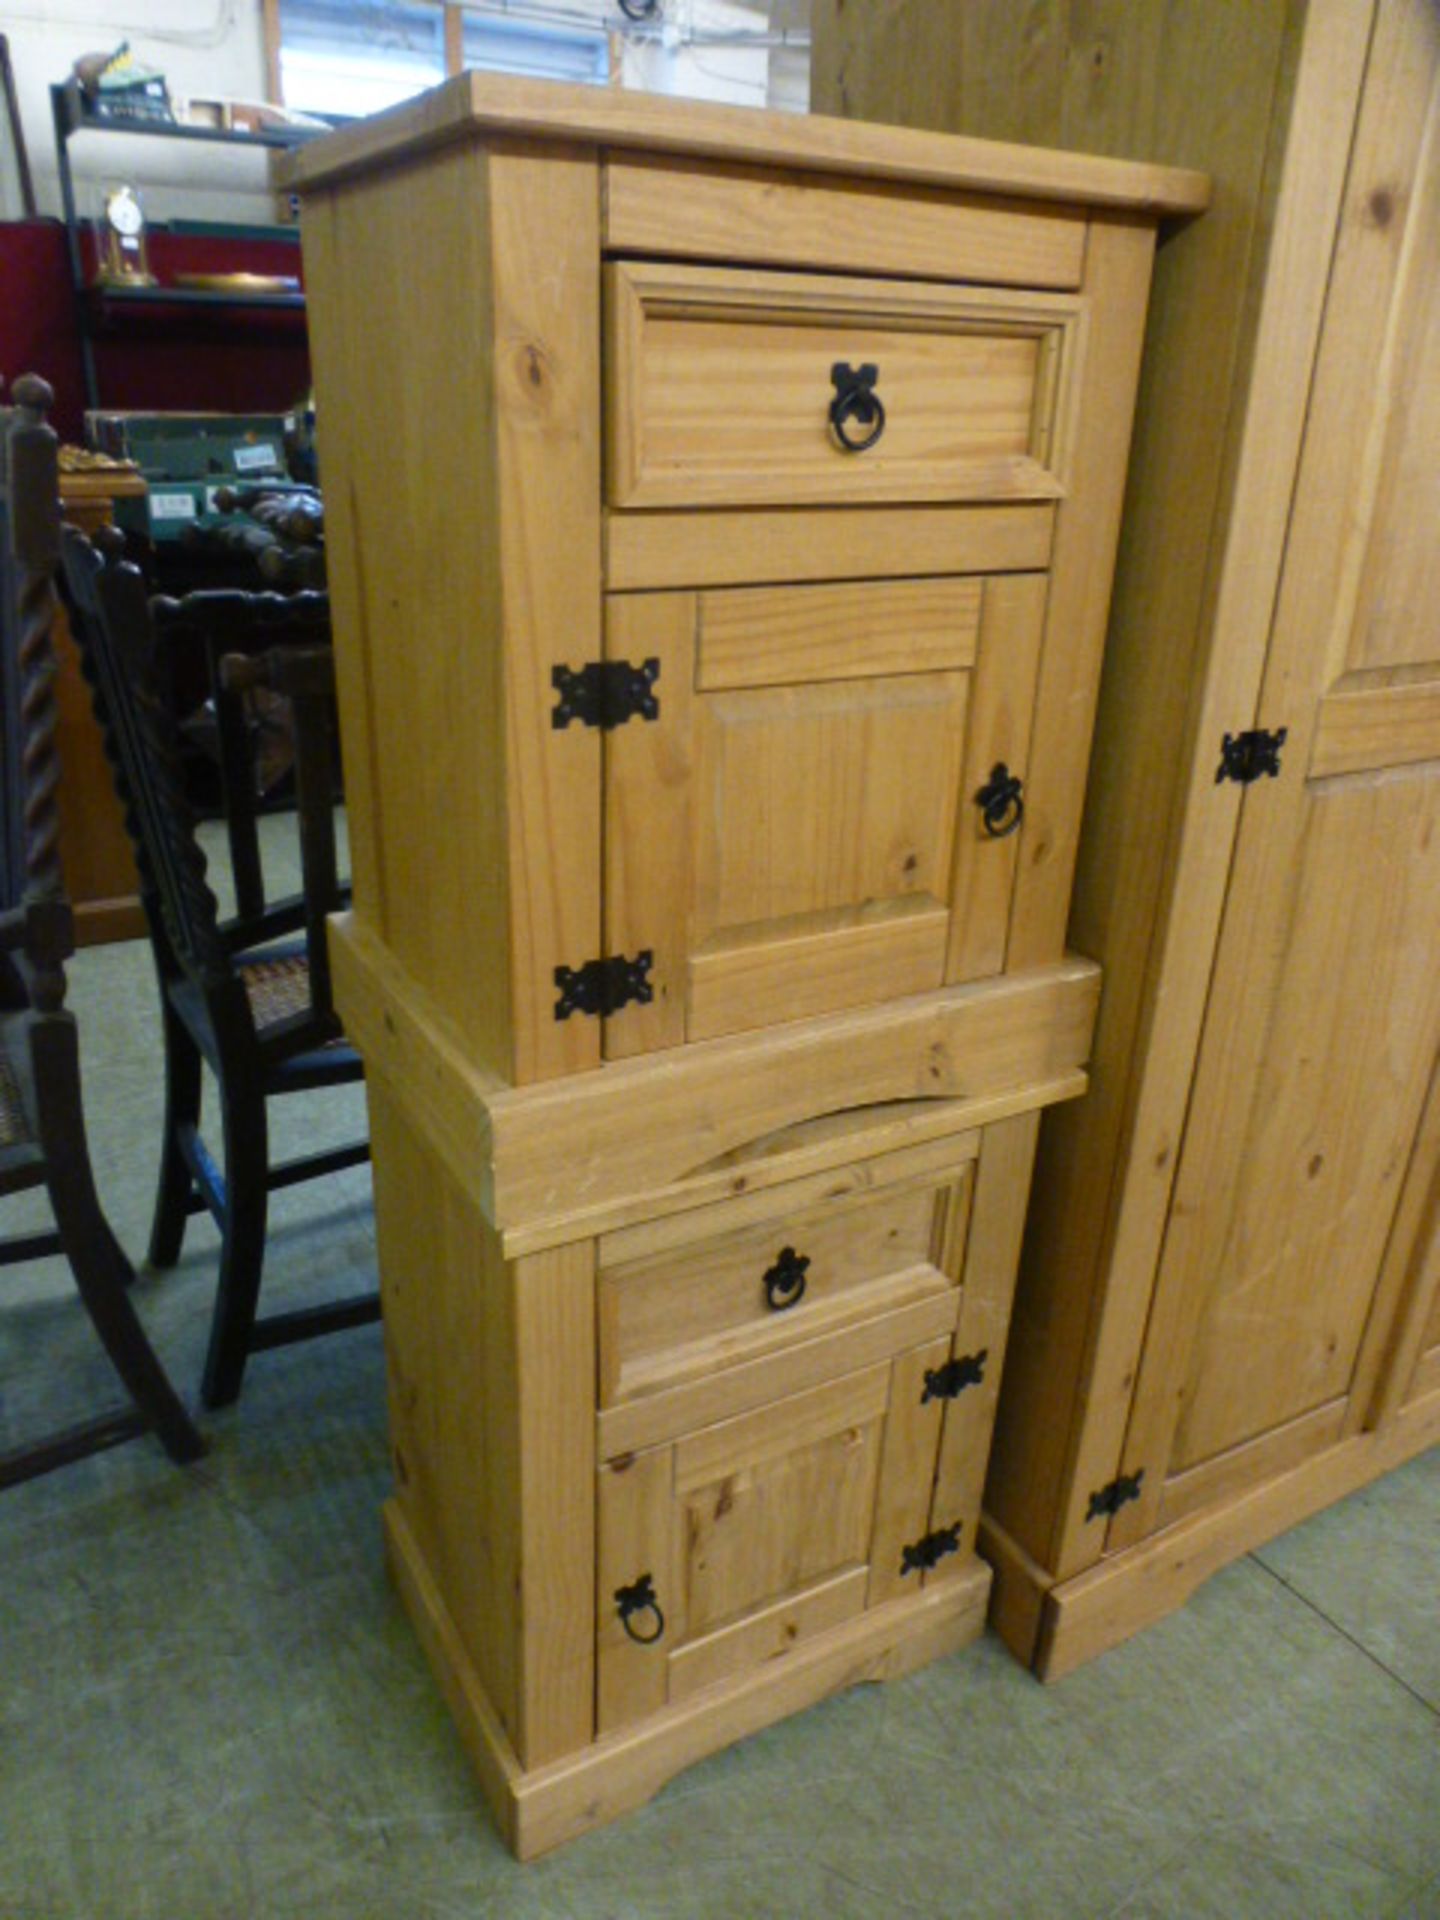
(856, 399)
(639, 1599)
(785, 1282)
(1001, 802)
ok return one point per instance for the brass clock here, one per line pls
(123, 257)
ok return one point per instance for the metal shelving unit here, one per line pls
(94, 303)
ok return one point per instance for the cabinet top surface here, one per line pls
(474, 106)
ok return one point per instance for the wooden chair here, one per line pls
(236, 994)
(42, 1120)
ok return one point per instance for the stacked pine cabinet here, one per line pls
(1229, 1305)
(722, 510)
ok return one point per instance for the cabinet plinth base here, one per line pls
(1055, 1627)
(541, 1808)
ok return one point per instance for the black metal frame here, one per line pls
(69, 115)
(28, 205)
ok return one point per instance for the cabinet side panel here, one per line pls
(491, 1370)
(552, 1392)
(397, 270)
(453, 1438)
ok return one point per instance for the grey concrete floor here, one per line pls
(212, 1707)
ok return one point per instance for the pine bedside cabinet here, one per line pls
(722, 511)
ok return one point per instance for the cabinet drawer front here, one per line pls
(720, 385)
(677, 1317)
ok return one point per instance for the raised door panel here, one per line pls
(796, 831)
(726, 1547)
(1273, 1307)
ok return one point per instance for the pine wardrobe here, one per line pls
(1229, 1307)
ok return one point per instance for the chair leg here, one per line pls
(102, 1272)
(182, 1113)
(242, 1247)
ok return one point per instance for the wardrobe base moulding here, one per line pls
(1055, 1627)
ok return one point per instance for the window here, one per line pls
(344, 58)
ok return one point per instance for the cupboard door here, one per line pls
(1324, 1016)
(797, 831)
(729, 1545)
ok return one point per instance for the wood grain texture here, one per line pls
(744, 546)
(991, 1256)
(556, 1803)
(766, 1633)
(539, 1809)
(649, 831)
(907, 1308)
(1126, 1591)
(629, 1130)
(490, 1369)
(550, 1383)
(817, 1193)
(1235, 309)
(1166, 962)
(546, 382)
(850, 959)
(766, 636)
(1087, 527)
(451, 1443)
(418, 1055)
(1002, 702)
(1319, 1121)
(718, 388)
(670, 1314)
(481, 105)
(447, 600)
(636, 1514)
(907, 1475)
(768, 217)
(1406, 1310)
(1382, 720)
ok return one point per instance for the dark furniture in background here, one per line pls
(182, 357)
(242, 995)
(96, 306)
(42, 1123)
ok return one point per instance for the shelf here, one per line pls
(99, 308)
(79, 119)
(189, 297)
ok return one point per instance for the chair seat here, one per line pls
(14, 1123)
(277, 985)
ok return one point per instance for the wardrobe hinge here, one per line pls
(1114, 1494)
(924, 1553)
(605, 693)
(602, 987)
(965, 1370)
(1250, 756)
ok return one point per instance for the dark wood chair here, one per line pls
(237, 994)
(42, 1119)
